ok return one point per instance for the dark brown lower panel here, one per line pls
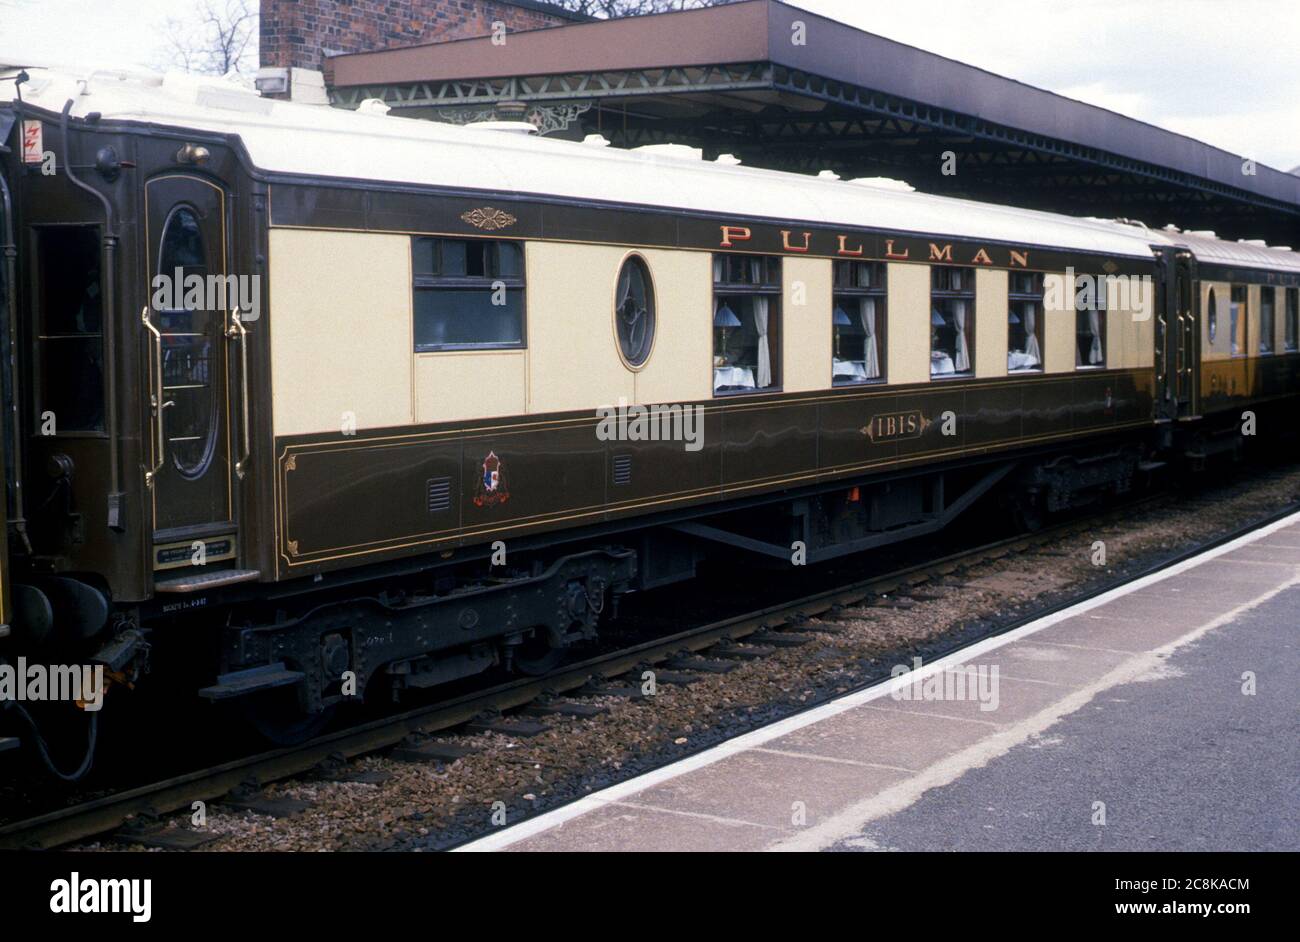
(402, 492)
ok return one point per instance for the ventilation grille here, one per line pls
(438, 491)
(622, 469)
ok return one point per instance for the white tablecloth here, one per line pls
(741, 377)
(940, 363)
(1020, 361)
(848, 369)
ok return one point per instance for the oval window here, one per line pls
(1212, 317)
(188, 331)
(634, 311)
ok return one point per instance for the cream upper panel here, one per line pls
(571, 359)
(1279, 320)
(573, 355)
(1130, 323)
(327, 286)
(991, 327)
(470, 384)
(1059, 344)
(907, 343)
(806, 307)
(1251, 347)
(340, 331)
(680, 366)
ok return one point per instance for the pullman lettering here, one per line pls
(847, 245)
(895, 426)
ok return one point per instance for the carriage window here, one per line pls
(952, 319)
(190, 346)
(634, 311)
(469, 294)
(1212, 317)
(1025, 321)
(858, 322)
(746, 323)
(71, 339)
(1291, 337)
(1237, 320)
(1266, 301)
(1090, 330)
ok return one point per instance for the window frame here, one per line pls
(652, 294)
(40, 336)
(947, 295)
(1243, 318)
(1037, 298)
(423, 281)
(1267, 331)
(216, 363)
(1291, 319)
(766, 287)
(1211, 316)
(1101, 298)
(879, 290)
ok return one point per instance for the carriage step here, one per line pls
(198, 582)
(252, 680)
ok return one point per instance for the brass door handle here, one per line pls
(1162, 355)
(156, 404)
(239, 332)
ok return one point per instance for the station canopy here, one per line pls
(783, 88)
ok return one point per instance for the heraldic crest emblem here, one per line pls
(491, 488)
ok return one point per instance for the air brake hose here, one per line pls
(92, 736)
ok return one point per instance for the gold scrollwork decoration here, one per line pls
(489, 218)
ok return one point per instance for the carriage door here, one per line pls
(184, 327)
(1186, 337)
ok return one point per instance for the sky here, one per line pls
(1223, 71)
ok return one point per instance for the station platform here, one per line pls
(1159, 716)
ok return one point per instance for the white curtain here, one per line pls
(870, 354)
(1094, 328)
(717, 268)
(962, 361)
(764, 351)
(755, 271)
(1031, 337)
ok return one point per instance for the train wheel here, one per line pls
(1029, 515)
(535, 656)
(278, 718)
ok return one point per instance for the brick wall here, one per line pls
(298, 32)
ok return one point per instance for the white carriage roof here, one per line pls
(1207, 248)
(317, 140)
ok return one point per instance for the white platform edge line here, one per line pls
(552, 819)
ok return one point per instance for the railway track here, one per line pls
(152, 801)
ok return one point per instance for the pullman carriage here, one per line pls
(352, 393)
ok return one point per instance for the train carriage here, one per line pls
(361, 394)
